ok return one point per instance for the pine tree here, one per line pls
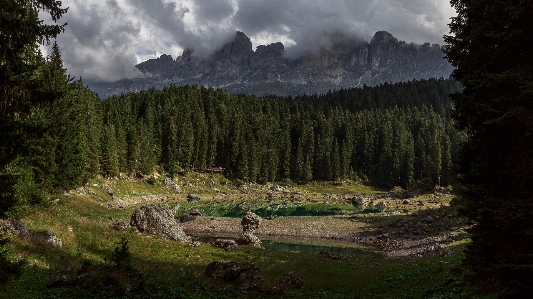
(490, 47)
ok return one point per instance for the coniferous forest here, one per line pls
(390, 135)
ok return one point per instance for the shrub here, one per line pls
(121, 254)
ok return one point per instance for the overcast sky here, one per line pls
(104, 39)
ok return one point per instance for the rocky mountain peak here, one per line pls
(238, 51)
(383, 37)
(274, 50)
(349, 62)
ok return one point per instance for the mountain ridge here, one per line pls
(267, 70)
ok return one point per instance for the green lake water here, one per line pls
(295, 246)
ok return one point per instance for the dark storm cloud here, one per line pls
(105, 39)
(206, 36)
(311, 24)
(97, 42)
(213, 11)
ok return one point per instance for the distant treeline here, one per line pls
(393, 134)
(56, 133)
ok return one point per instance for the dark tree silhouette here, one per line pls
(490, 47)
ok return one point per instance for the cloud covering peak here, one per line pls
(105, 39)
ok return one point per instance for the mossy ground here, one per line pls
(175, 270)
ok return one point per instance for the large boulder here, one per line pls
(158, 220)
(250, 222)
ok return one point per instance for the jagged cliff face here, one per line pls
(239, 69)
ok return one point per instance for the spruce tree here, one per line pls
(490, 46)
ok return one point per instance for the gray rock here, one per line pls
(107, 190)
(359, 200)
(158, 220)
(247, 238)
(119, 225)
(49, 237)
(169, 183)
(250, 222)
(227, 244)
(276, 188)
(14, 228)
(251, 281)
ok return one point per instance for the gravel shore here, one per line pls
(426, 233)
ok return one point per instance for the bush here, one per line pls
(121, 254)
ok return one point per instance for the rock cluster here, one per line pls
(158, 220)
(18, 229)
(362, 202)
(169, 183)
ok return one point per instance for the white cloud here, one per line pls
(105, 39)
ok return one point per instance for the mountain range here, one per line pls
(268, 71)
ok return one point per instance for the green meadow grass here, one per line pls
(175, 270)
